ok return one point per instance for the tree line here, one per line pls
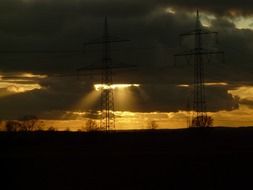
(25, 124)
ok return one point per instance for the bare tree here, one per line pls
(30, 123)
(203, 121)
(91, 125)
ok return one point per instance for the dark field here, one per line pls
(215, 158)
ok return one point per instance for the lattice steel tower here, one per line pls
(198, 53)
(107, 116)
(107, 98)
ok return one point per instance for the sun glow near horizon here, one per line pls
(99, 87)
(127, 118)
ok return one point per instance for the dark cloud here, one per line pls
(57, 98)
(66, 24)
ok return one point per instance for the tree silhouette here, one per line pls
(202, 121)
(91, 125)
(30, 123)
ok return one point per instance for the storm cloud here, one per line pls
(153, 28)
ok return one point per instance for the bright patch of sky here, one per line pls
(20, 82)
(243, 22)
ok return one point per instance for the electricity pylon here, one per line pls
(107, 116)
(106, 72)
(198, 53)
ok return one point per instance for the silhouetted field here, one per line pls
(214, 158)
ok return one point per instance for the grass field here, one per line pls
(213, 158)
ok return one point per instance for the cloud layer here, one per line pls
(154, 31)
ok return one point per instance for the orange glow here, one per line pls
(30, 75)
(126, 120)
(216, 84)
(244, 92)
(184, 85)
(20, 82)
(98, 87)
(20, 88)
(206, 84)
(85, 103)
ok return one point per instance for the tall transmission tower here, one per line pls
(200, 118)
(106, 70)
(107, 117)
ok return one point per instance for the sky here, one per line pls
(30, 82)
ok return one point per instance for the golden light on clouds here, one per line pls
(124, 114)
(20, 82)
(87, 102)
(126, 120)
(99, 87)
(123, 97)
(170, 10)
(241, 117)
(183, 85)
(206, 19)
(206, 84)
(30, 75)
(216, 84)
(244, 92)
(241, 22)
(19, 88)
